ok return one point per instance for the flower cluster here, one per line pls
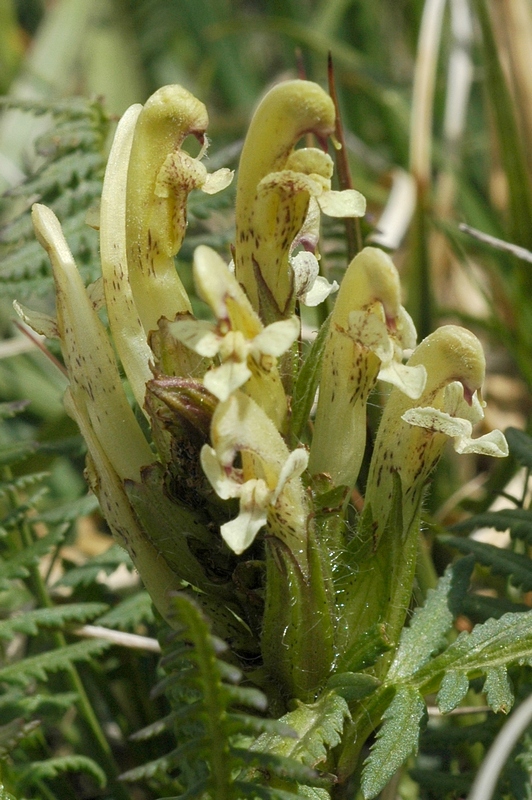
(224, 482)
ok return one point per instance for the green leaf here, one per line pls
(397, 739)
(56, 617)
(430, 624)
(454, 687)
(516, 566)
(22, 672)
(520, 444)
(495, 643)
(319, 727)
(88, 573)
(17, 565)
(307, 383)
(517, 520)
(129, 613)
(52, 767)
(498, 689)
(353, 686)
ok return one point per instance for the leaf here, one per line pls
(516, 566)
(430, 624)
(28, 622)
(39, 666)
(307, 383)
(129, 613)
(397, 739)
(17, 565)
(88, 573)
(453, 689)
(520, 444)
(52, 767)
(495, 643)
(517, 520)
(353, 686)
(319, 727)
(498, 689)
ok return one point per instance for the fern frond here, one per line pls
(129, 613)
(17, 565)
(39, 666)
(213, 757)
(52, 767)
(87, 574)
(69, 180)
(57, 617)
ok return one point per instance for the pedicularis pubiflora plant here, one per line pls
(240, 496)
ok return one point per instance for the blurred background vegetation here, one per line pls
(436, 102)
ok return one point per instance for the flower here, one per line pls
(248, 350)
(276, 186)
(411, 437)
(369, 333)
(265, 484)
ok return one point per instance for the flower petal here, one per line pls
(197, 334)
(276, 338)
(217, 181)
(491, 444)
(223, 484)
(224, 380)
(293, 467)
(410, 380)
(239, 533)
(347, 203)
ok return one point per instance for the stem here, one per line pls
(352, 225)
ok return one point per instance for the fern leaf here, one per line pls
(52, 767)
(56, 617)
(68, 512)
(17, 565)
(129, 613)
(516, 566)
(22, 672)
(517, 520)
(210, 756)
(87, 574)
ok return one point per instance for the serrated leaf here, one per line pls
(17, 565)
(129, 613)
(516, 566)
(88, 573)
(29, 622)
(307, 383)
(158, 766)
(39, 666)
(397, 739)
(68, 512)
(499, 690)
(495, 643)
(430, 624)
(454, 687)
(319, 727)
(52, 767)
(517, 520)
(520, 444)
